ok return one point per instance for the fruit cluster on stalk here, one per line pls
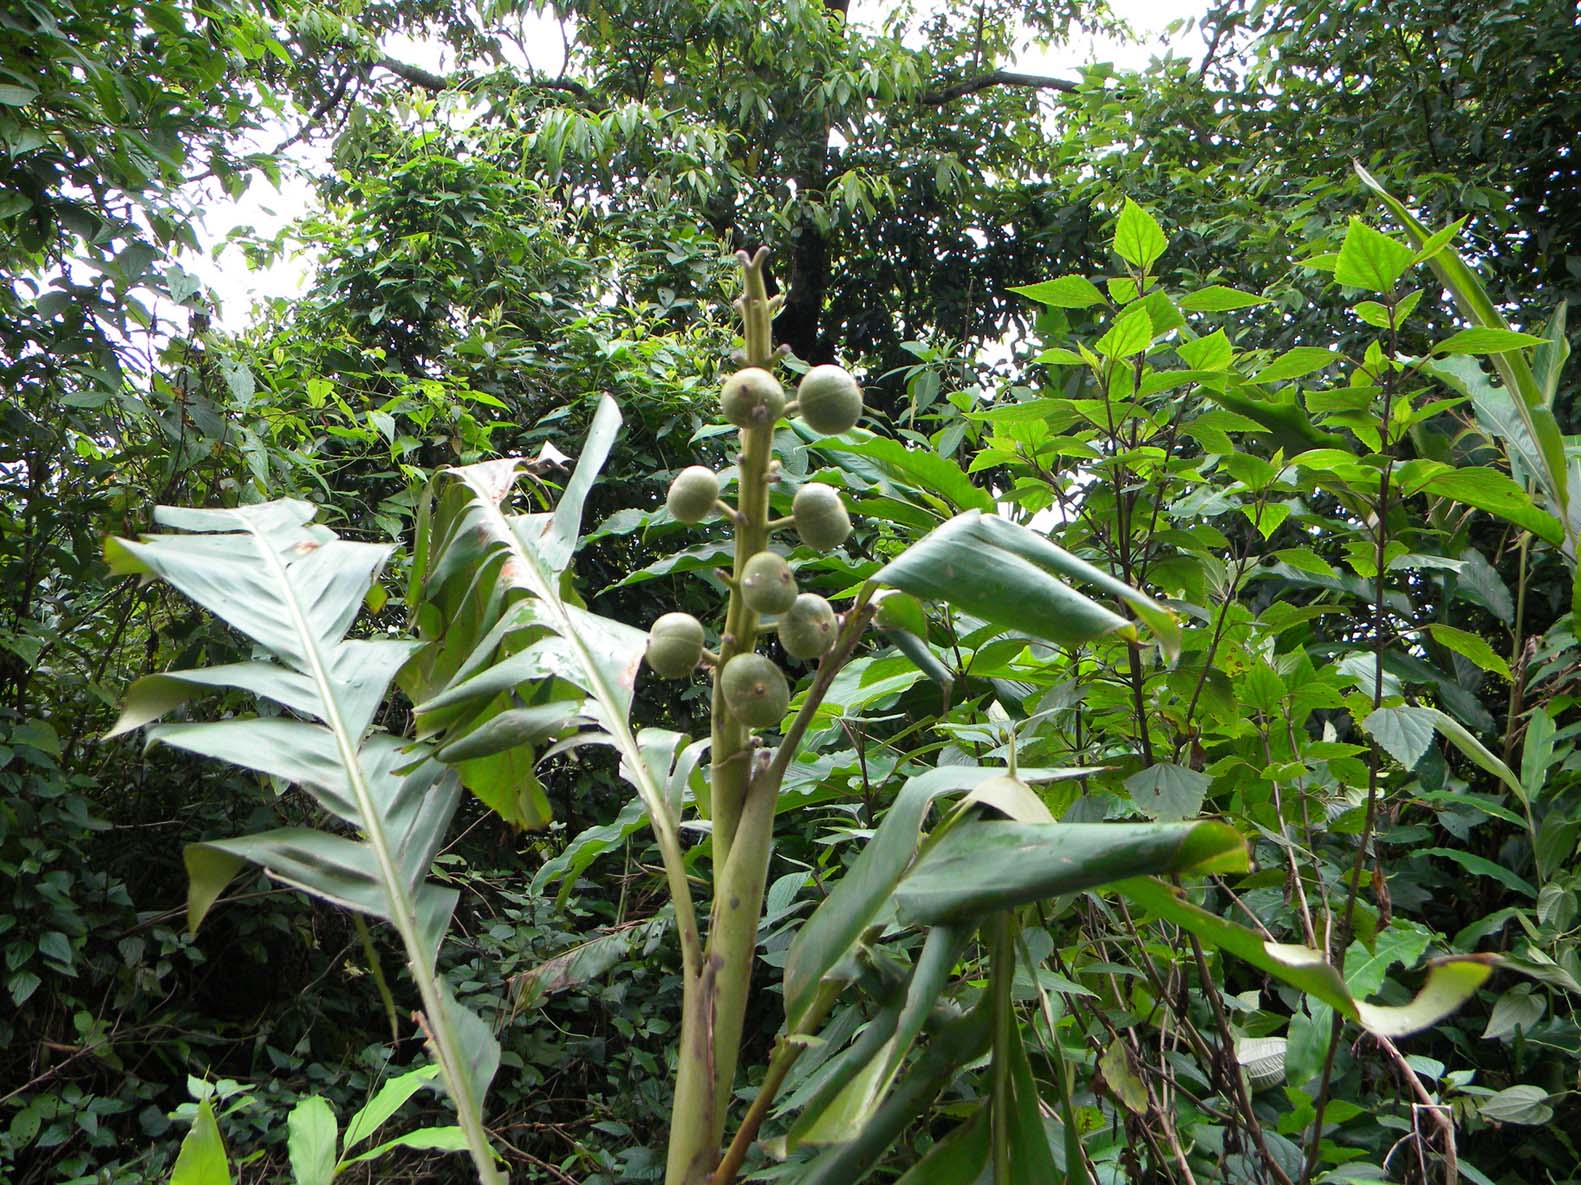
(756, 693)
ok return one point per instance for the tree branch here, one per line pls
(429, 81)
(970, 86)
(416, 75)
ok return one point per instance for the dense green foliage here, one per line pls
(1156, 319)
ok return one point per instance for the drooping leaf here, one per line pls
(1456, 734)
(386, 1101)
(936, 478)
(1450, 982)
(1494, 492)
(1007, 575)
(517, 632)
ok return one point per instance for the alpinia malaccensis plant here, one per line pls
(510, 666)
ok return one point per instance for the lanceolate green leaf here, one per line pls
(386, 1101)
(1450, 982)
(201, 1160)
(850, 1110)
(980, 867)
(1010, 576)
(295, 588)
(862, 896)
(934, 477)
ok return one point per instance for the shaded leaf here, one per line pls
(1168, 792)
(979, 867)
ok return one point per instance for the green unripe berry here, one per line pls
(767, 584)
(675, 645)
(808, 628)
(752, 398)
(829, 400)
(692, 494)
(820, 517)
(755, 690)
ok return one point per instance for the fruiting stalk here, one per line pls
(745, 780)
(711, 1025)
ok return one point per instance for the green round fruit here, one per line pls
(752, 398)
(808, 628)
(767, 584)
(755, 690)
(692, 494)
(675, 645)
(829, 400)
(820, 517)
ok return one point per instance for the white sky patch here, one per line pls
(539, 43)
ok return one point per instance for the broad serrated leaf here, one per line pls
(1294, 363)
(1517, 1104)
(1137, 237)
(1127, 336)
(1063, 292)
(1403, 732)
(1168, 792)
(1371, 260)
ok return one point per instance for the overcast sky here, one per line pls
(268, 210)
